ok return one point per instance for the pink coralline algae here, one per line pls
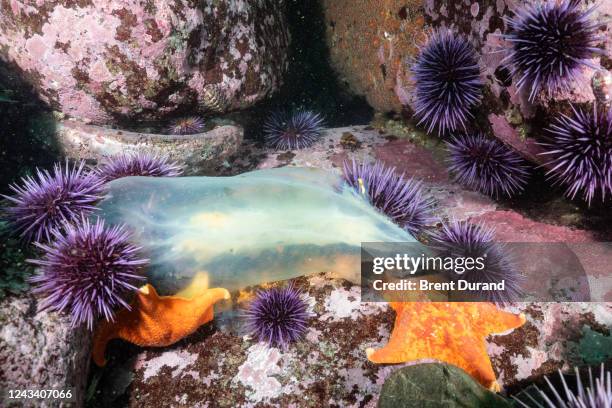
(107, 60)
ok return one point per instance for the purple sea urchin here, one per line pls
(87, 270)
(293, 130)
(447, 82)
(187, 126)
(580, 149)
(460, 239)
(551, 42)
(401, 199)
(278, 316)
(138, 164)
(486, 165)
(49, 200)
(598, 394)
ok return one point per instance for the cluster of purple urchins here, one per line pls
(486, 165)
(460, 239)
(87, 270)
(598, 394)
(447, 82)
(187, 126)
(580, 148)
(293, 130)
(551, 41)
(49, 200)
(401, 199)
(138, 164)
(278, 316)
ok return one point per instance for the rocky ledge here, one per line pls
(199, 153)
(222, 366)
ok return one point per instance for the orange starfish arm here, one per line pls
(157, 321)
(503, 321)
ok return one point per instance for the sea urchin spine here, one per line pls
(447, 82)
(460, 239)
(278, 316)
(189, 125)
(551, 41)
(580, 149)
(87, 270)
(138, 164)
(50, 200)
(401, 199)
(598, 394)
(293, 130)
(486, 165)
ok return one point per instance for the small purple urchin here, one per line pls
(460, 239)
(293, 130)
(278, 316)
(581, 153)
(447, 82)
(597, 395)
(401, 199)
(87, 270)
(486, 165)
(551, 41)
(138, 164)
(48, 201)
(187, 126)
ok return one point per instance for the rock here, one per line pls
(200, 153)
(436, 385)
(39, 350)
(369, 42)
(128, 60)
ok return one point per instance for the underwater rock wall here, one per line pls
(108, 60)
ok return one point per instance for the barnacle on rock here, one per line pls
(213, 99)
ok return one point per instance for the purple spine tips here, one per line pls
(47, 200)
(448, 82)
(401, 199)
(87, 271)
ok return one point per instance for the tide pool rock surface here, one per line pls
(328, 368)
(39, 350)
(256, 227)
(105, 60)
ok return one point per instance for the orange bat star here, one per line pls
(157, 321)
(450, 332)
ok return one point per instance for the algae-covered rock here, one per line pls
(434, 386)
(40, 350)
(594, 347)
(108, 60)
